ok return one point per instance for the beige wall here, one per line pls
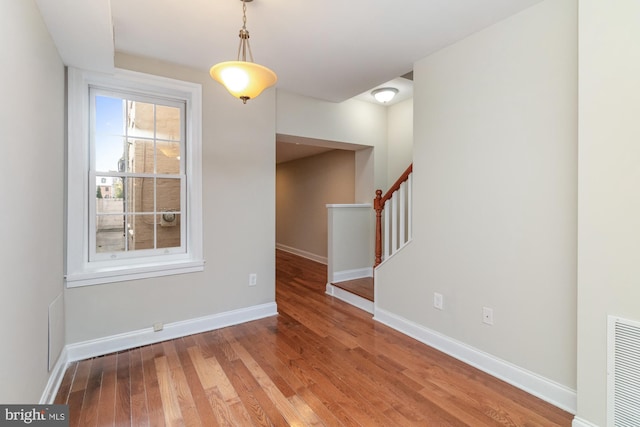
(303, 189)
(399, 139)
(609, 182)
(32, 143)
(238, 187)
(495, 189)
(351, 122)
(351, 241)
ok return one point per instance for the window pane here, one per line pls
(139, 195)
(168, 158)
(110, 233)
(168, 194)
(168, 123)
(169, 230)
(141, 234)
(140, 119)
(105, 189)
(109, 132)
(140, 156)
(118, 188)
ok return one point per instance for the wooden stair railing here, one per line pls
(400, 209)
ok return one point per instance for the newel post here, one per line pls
(378, 206)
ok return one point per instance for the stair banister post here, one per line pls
(378, 205)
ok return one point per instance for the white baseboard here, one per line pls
(548, 390)
(348, 297)
(579, 422)
(55, 379)
(358, 273)
(111, 344)
(303, 254)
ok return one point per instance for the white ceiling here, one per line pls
(327, 49)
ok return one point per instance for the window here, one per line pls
(136, 143)
(134, 177)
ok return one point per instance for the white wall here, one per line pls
(31, 213)
(352, 122)
(399, 140)
(239, 223)
(609, 188)
(495, 183)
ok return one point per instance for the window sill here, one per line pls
(125, 273)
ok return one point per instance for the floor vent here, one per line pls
(623, 369)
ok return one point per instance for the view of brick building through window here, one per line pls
(138, 175)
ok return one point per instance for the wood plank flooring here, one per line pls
(319, 362)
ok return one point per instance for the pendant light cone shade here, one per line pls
(244, 80)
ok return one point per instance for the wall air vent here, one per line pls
(623, 372)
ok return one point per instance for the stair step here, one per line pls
(362, 287)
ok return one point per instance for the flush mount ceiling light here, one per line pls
(243, 79)
(384, 94)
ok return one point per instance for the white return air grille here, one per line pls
(623, 379)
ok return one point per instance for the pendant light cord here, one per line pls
(244, 37)
(244, 15)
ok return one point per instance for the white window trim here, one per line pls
(79, 270)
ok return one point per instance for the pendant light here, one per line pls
(243, 79)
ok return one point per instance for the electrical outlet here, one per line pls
(253, 279)
(438, 301)
(487, 315)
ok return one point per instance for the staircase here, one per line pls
(393, 217)
(350, 232)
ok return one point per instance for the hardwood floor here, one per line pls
(319, 362)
